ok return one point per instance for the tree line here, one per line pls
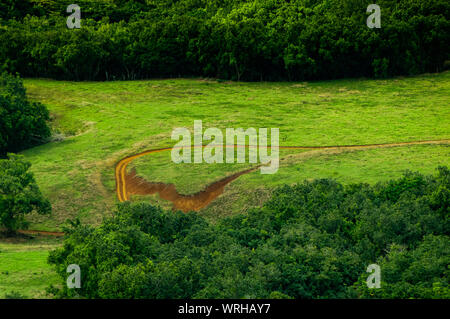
(314, 239)
(248, 40)
(23, 124)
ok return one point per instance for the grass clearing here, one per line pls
(24, 268)
(105, 121)
(362, 166)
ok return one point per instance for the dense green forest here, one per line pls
(311, 240)
(229, 39)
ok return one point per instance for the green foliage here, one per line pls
(22, 123)
(19, 193)
(10, 9)
(311, 240)
(231, 39)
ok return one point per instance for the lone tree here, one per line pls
(19, 194)
(22, 123)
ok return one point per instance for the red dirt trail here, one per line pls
(128, 183)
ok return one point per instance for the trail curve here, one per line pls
(131, 184)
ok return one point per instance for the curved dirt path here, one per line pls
(131, 184)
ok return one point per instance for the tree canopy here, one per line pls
(22, 123)
(19, 194)
(230, 39)
(311, 240)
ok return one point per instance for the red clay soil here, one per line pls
(128, 183)
(137, 185)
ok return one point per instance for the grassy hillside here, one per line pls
(357, 166)
(23, 266)
(98, 123)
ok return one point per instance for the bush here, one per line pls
(19, 194)
(22, 123)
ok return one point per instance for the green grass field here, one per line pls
(98, 123)
(361, 166)
(23, 267)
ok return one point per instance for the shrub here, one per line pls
(22, 123)
(19, 194)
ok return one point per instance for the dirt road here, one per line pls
(128, 183)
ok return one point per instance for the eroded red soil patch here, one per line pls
(128, 183)
(137, 185)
